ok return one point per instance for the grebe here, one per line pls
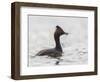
(57, 51)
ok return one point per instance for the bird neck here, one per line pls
(57, 42)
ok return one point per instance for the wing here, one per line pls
(45, 52)
(50, 52)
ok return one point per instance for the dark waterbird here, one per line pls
(57, 51)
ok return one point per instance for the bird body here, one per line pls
(50, 52)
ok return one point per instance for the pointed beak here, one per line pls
(66, 33)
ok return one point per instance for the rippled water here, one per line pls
(71, 56)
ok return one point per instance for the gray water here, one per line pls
(71, 56)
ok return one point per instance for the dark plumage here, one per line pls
(57, 51)
(50, 52)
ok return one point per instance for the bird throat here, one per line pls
(57, 42)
